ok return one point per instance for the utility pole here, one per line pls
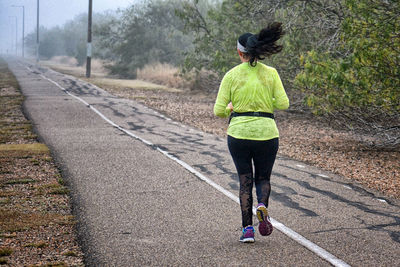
(89, 41)
(16, 34)
(37, 32)
(23, 29)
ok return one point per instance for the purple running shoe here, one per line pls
(248, 235)
(265, 225)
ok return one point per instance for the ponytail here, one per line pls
(262, 45)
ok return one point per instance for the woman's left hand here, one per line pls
(230, 106)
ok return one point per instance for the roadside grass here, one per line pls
(55, 264)
(7, 80)
(165, 74)
(20, 181)
(70, 254)
(25, 148)
(34, 201)
(69, 65)
(152, 77)
(19, 220)
(5, 251)
(129, 84)
(52, 189)
(13, 125)
(36, 245)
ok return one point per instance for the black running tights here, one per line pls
(262, 154)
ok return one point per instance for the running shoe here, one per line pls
(248, 235)
(265, 225)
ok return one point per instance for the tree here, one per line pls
(68, 40)
(74, 36)
(360, 87)
(340, 58)
(50, 42)
(147, 32)
(216, 26)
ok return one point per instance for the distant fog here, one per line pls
(52, 13)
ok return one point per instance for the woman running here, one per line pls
(249, 93)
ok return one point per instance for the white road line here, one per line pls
(279, 226)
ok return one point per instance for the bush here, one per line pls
(360, 87)
(146, 33)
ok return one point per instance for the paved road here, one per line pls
(135, 206)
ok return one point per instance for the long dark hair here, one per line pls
(262, 45)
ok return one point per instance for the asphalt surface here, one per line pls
(136, 207)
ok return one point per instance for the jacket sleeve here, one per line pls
(223, 98)
(281, 101)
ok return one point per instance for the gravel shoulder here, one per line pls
(36, 225)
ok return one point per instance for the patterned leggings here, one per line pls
(244, 153)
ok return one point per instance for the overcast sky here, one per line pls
(52, 13)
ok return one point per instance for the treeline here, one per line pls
(141, 34)
(341, 59)
(69, 39)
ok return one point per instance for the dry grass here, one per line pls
(7, 81)
(36, 245)
(13, 126)
(164, 74)
(120, 84)
(155, 76)
(69, 65)
(97, 65)
(17, 221)
(29, 148)
(100, 77)
(5, 252)
(64, 60)
(168, 75)
(52, 188)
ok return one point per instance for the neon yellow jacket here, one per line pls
(249, 88)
